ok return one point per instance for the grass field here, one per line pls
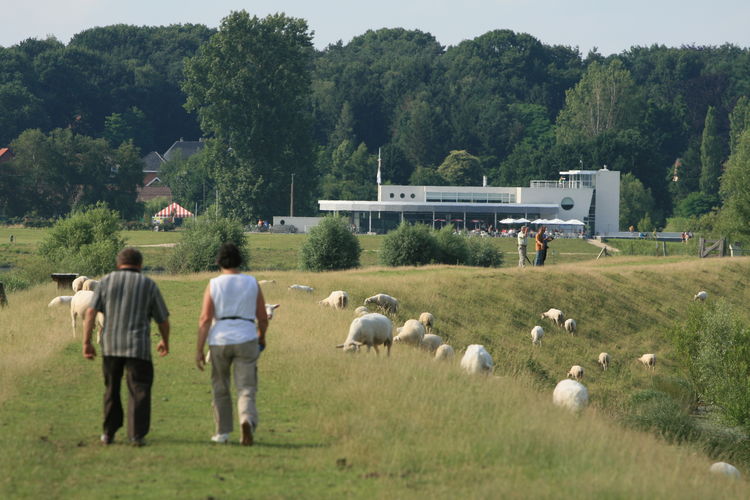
(267, 251)
(363, 426)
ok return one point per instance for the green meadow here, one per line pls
(364, 426)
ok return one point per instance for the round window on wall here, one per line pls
(402, 195)
(391, 195)
(412, 195)
(567, 203)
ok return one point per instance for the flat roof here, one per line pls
(396, 206)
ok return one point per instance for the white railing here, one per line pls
(561, 184)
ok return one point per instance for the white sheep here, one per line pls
(77, 284)
(648, 360)
(570, 325)
(724, 469)
(361, 311)
(570, 394)
(78, 305)
(90, 285)
(337, 299)
(371, 330)
(270, 308)
(266, 282)
(536, 335)
(702, 295)
(411, 333)
(430, 342)
(303, 288)
(576, 372)
(555, 315)
(385, 302)
(444, 352)
(428, 320)
(604, 360)
(477, 360)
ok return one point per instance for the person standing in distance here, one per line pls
(234, 321)
(129, 301)
(522, 242)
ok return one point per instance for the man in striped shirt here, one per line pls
(129, 301)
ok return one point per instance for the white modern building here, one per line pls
(590, 196)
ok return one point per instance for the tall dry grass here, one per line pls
(366, 426)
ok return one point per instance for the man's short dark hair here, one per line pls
(229, 256)
(129, 257)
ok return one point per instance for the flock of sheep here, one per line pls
(374, 329)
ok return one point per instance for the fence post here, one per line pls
(3, 298)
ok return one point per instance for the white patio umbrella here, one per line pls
(508, 220)
(540, 221)
(574, 222)
(555, 222)
(523, 220)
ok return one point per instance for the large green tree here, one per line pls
(636, 201)
(712, 155)
(735, 189)
(603, 100)
(250, 86)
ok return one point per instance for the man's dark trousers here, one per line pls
(140, 377)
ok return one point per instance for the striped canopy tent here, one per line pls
(175, 210)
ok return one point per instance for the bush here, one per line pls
(653, 410)
(484, 253)
(329, 246)
(451, 247)
(409, 246)
(200, 243)
(713, 347)
(86, 242)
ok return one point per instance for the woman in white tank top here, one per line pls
(234, 321)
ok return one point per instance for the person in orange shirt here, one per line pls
(541, 239)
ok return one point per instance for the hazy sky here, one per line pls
(610, 26)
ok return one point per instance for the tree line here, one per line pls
(502, 105)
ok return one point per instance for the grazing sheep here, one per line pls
(90, 285)
(555, 315)
(444, 352)
(303, 288)
(62, 299)
(371, 330)
(570, 325)
(702, 295)
(411, 333)
(77, 284)
(427, 320)
(431, 342)
(270, 308)
(477, 360)
(576, 372)
(266, 282)
(604, 360)
(648, 360)
(338, 300)
(385, 302)
(725, 469)
(571, 395)
(78, 305)
(361, 311)
(536, 335)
